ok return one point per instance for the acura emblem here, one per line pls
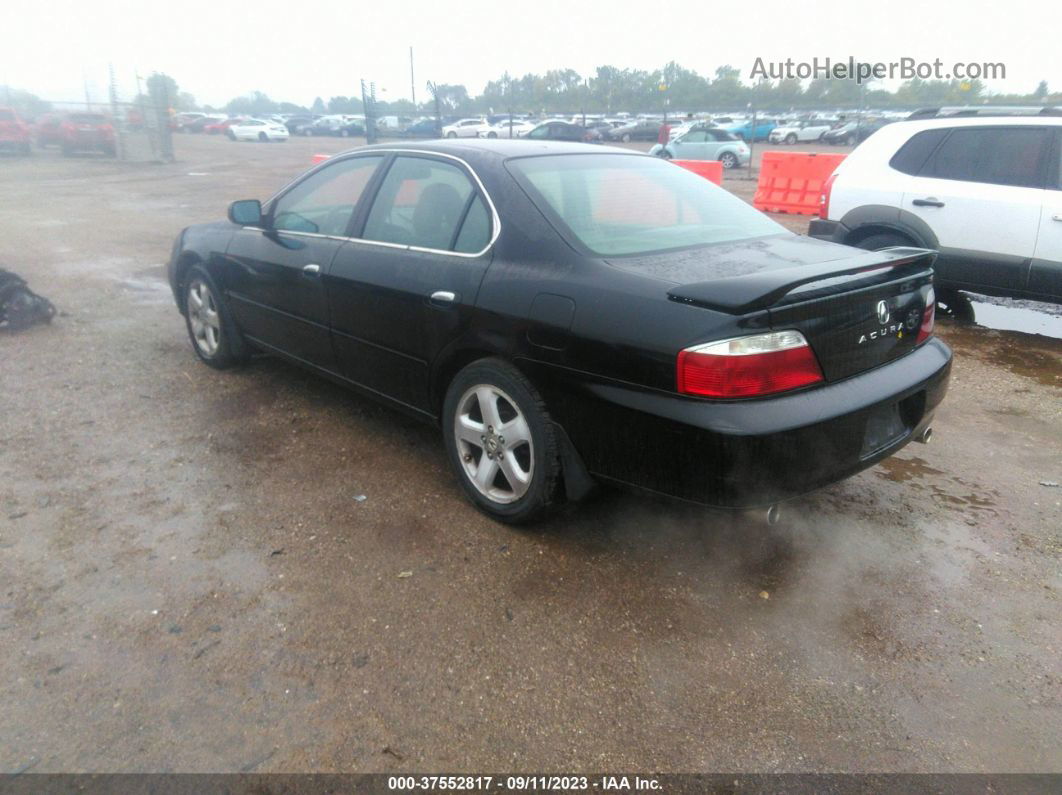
(883, 312)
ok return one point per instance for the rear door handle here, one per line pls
(443, 298)
(313, 269)
(930, 202)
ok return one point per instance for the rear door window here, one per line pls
(422, 202)
(994, 155)
(914, 154)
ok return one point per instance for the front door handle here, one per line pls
(930, 202)
(313, 269)
(443, 298)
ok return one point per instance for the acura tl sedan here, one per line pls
(570, 314)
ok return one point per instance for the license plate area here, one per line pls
(884, 428)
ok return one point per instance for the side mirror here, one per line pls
(246, 212)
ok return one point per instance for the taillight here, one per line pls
(824, 197)
(764, 364)
(929, 317)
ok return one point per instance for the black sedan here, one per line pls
(572, 314)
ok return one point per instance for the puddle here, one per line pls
(1002, 314)
(901, 470)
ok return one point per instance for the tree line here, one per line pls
(610, 89)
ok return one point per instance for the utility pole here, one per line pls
(412, 82)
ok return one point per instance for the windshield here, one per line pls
(615, 205)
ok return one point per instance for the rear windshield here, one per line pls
(615, 205)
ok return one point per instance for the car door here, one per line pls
(273, 275)
(406, 287)
(1045, 275)
(981, 193)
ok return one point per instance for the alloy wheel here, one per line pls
(494, 443)
(203, 317)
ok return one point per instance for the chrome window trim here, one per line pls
(495, 218)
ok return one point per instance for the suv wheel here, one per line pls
(885, 240)
(500, 440)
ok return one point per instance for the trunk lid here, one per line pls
(856, 312)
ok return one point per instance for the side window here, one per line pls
(324, 202)
(995, 155)
(913, 154)
(475, 231)
(695, 137)
(539, 132)
(421, 202)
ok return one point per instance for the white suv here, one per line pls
(985, 192)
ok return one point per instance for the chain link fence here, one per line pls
(137, 132)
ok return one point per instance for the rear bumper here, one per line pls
(746, 454)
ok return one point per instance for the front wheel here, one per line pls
(501, 442)
(492, 134)
(263, 137)
(451, 134)
(791, 139)
(214, 335)
(626, 138)
(663, 153)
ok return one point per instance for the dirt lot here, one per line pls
(189, 579)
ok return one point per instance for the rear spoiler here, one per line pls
(740, 294)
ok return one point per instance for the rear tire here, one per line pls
(729, 160)
(215, 337)
(626, 138)
(263, 137)
(515, 479)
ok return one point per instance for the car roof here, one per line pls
(483, 149)
(978, 121)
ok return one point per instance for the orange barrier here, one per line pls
(319, 159)
(791, 182)
(709, 169)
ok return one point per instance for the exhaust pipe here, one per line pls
(925, 436)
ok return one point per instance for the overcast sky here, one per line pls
(299, 49)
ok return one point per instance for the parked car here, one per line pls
(743, 129)
(351, 128)
(852, 132)
(199, 124)
(425, 128)
(706, 143)
(466, 128)
(510, 129)
(46, 130)
(802, 131)
(257, 130)
(183, 122)
(220, 126)
(985, 192)
(637, 130)
(756, 364)
(87, 132)
(561, 131)
(296, 124)
(14, 133)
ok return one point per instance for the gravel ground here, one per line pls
(190, 581)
